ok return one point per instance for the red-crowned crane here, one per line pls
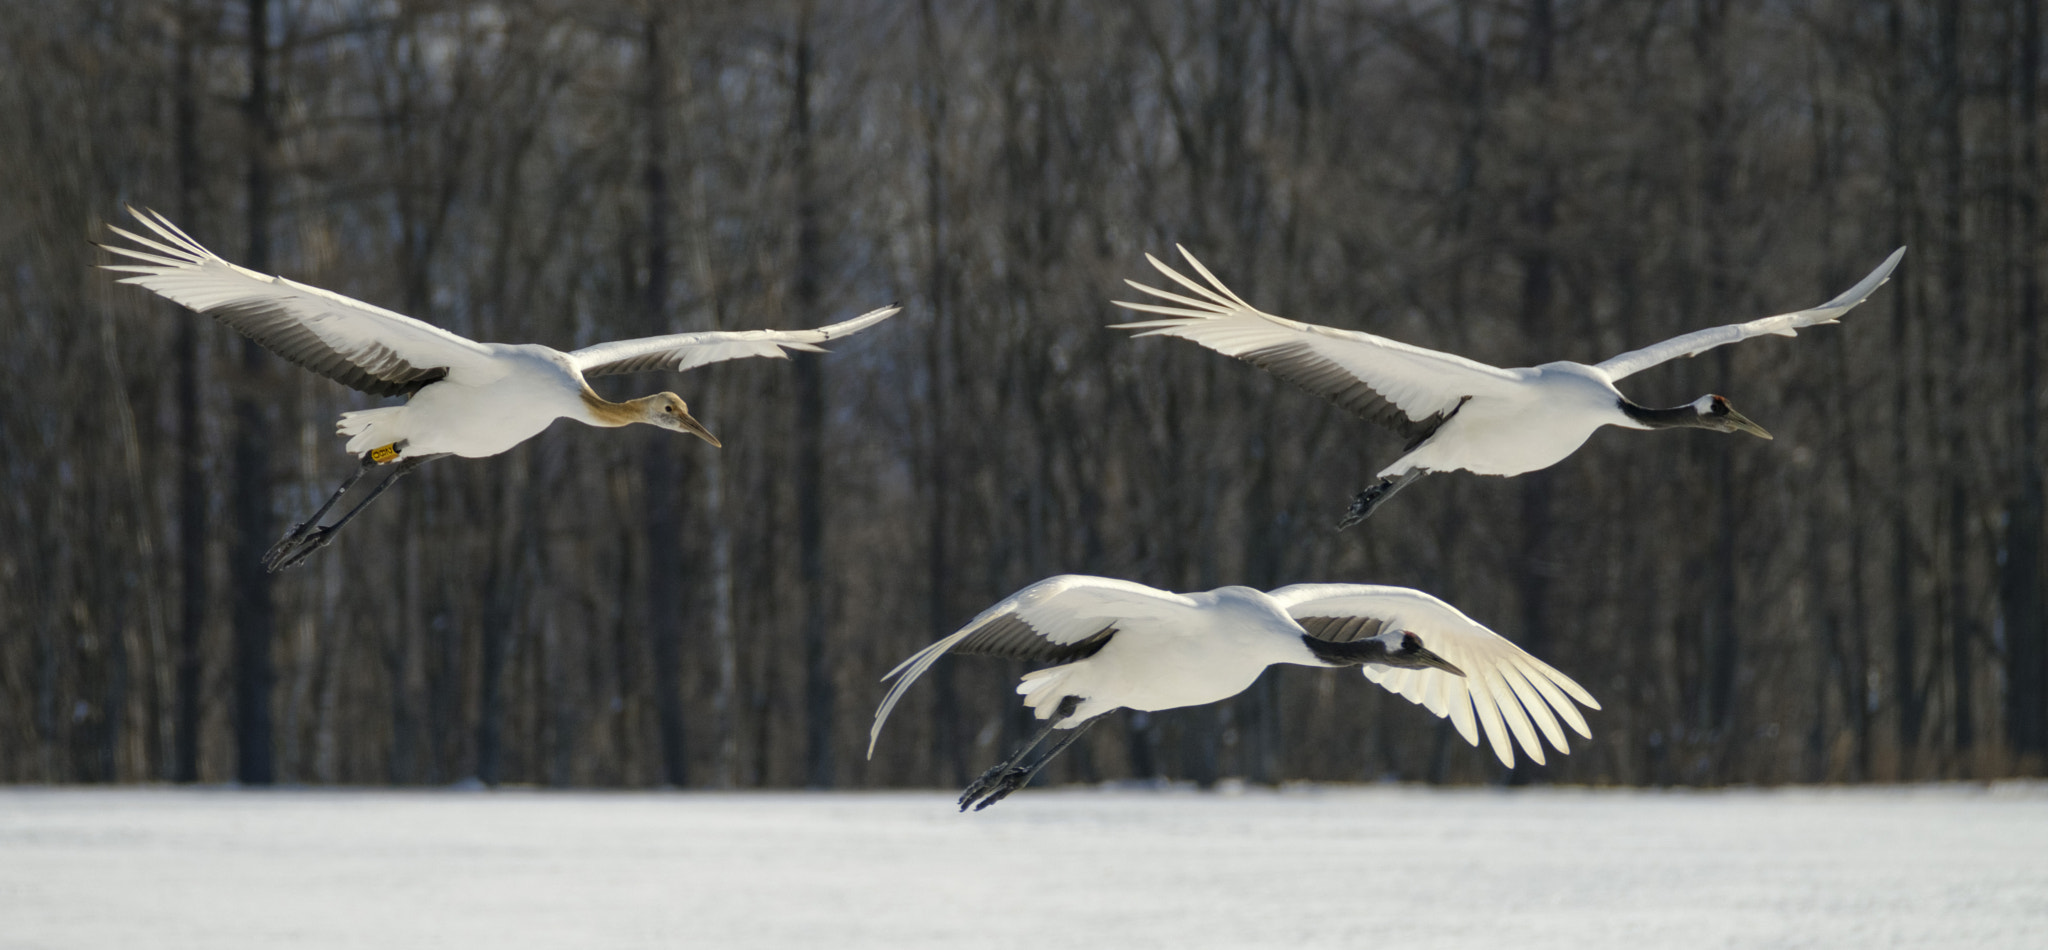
(1457, 413)
(1120, 645)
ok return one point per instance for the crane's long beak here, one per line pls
(1737, 422)
(688, 423)
(1422, 657)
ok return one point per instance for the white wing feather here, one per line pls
(1505, 692)
(1420, 382)
(1784, 324)
(682, 351)
(279, 313)
(1065, 609)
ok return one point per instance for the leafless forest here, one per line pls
(1514, 180)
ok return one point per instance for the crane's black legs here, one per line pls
(1019, 769)
(1370, 499)
(310, 535)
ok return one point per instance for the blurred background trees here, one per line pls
(1518, 181)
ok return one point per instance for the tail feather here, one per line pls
(370, 428)
(1042, 690)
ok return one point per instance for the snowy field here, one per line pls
(1947, 866)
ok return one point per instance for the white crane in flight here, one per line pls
(466, 398)
(1457, 413)
(1120, 645)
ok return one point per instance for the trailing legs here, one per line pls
(310, 535)
(1370, 499)
(1019, 769)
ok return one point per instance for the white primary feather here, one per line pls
(1510, 691)
(304, 324)
(682, 351)
(1420, 382)
(1784, 324)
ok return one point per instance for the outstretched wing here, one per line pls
(1058, 620)
(1511, 693)
(348, 341)
(1784, 324)
(681, 351)
(1405, 388)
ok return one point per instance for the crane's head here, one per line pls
(1409, 654)
(1397, 648)
(1718, 415)
(669, 411)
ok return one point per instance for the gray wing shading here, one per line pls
(1406, 388)
(682, 351)
(1060, 619)
(1342, 629)
(372, 367)
(1302, 365)
(1009, 636)
(353, 343)
(1784, 324)
(1505, 692)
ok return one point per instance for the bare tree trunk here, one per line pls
(658, 469)
(810, 426)
(192, 513)
(398, 646)
(1719, 650)
(1538, 303)
(501, 619)
(948, 751)
(2026, 641)
(1908, 691)
(725, 699)
(254, 620)
(1848, 667)
(727, 696)
(1961, 612)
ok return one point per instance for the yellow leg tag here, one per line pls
(384, 453)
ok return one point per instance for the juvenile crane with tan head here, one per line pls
(466, 398)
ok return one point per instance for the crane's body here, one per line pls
(1459, 414)
(465, 398)
(483, 412)
(1114, 644)
(1157, 666)
(1495, 434)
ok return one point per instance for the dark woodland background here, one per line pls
(1515, 180)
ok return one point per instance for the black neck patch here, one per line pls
(1677, 417)
(1353, 653)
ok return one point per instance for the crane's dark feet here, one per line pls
(1369, 500)
(994, 785)
(296, 547)
(1363, 505)
(285, 545)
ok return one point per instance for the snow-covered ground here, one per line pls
(1948, 866)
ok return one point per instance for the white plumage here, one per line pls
(467, 398)
(1120, 645)
(1456, 413)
